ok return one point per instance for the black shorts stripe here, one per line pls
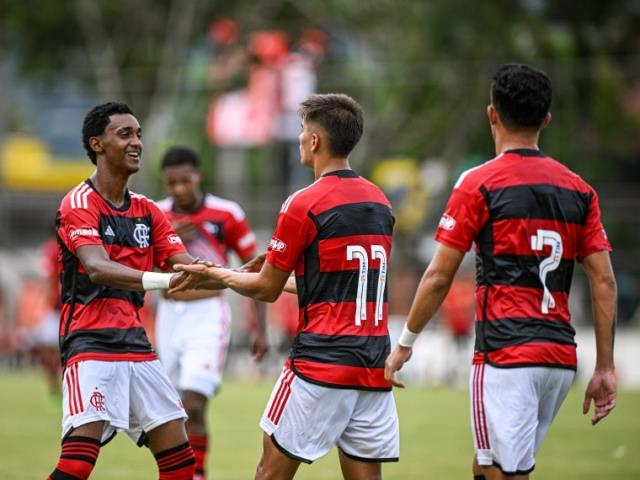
(370, 460)
(522, 271)
(496, 334)
(540, 201)
(288, 453)
(346, 350)
(106, 340)
(363, 218)
(336, 287)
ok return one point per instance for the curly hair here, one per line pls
(96, 121)
(521, 95)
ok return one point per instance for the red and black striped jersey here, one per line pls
(221, 225)
(336, 235)
(530, 218)
(99, 322)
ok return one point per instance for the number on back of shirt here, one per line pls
(359, 253)
(552, 239)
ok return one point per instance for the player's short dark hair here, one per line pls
(179, 155)
(521, 95)
(340, 116)
(96, 121)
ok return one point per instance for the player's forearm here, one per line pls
(113, 274)
(249, 285)
(604, 294)
(431, 292)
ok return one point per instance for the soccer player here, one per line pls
(336, 235)
(110, 239)
(530, 218)
(193, 328)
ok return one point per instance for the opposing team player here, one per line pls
(110, 240)
(336, 236)
(530, 218)
(193, 328)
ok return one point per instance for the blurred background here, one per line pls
(226, 77)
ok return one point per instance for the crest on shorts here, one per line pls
(97, 401)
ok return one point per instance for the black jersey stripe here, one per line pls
(87, 291)
(336, 287)
(106, 340)
(505, 332)
(540, 201)
(522, 271)
(362, 218)
(126, 231)
(347, 350)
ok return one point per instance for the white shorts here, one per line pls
(511, 411)
(305, 421)
(132, 397)
(192, 339)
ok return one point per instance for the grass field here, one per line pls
(435, 438)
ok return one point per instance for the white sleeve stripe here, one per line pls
(85, 195)
(247, 240)
(287, 202)
(76, 195)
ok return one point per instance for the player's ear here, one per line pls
(546, 121)
(315, 142)
(96, 144)
(492, 115)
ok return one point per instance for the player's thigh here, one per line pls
(372, 433)
(554, 390)
(154, 401)
(305, 420)
(358, 470)
(167, 435)
(274, 464)
(96, 391)
(504, 416)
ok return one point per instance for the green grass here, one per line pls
(435, 437)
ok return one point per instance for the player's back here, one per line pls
(341, 279)
(531, 218)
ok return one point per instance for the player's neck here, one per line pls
(110, 187)
(329, 164)
(516, 140)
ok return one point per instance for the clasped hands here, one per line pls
(202, 274)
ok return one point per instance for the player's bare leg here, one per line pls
(356, 470)
(493, 473)
(275, 465)
(172, 451)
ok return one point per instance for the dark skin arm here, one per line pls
(259, 346)
(104, 271)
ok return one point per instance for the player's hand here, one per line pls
(394, 363)
(254, 265)
(259, 346)
(602, 390)
(189, 277)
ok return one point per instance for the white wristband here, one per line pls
(155, 280)
(407, 337)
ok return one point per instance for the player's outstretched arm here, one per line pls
(602, 386)
(265, 286)
(104, 271)
(433, 287)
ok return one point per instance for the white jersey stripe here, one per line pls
(85, 195)
(74, 194)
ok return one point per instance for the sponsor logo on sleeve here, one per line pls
(277, 245)
(447, 222)
(84, 232)
(174, 239)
